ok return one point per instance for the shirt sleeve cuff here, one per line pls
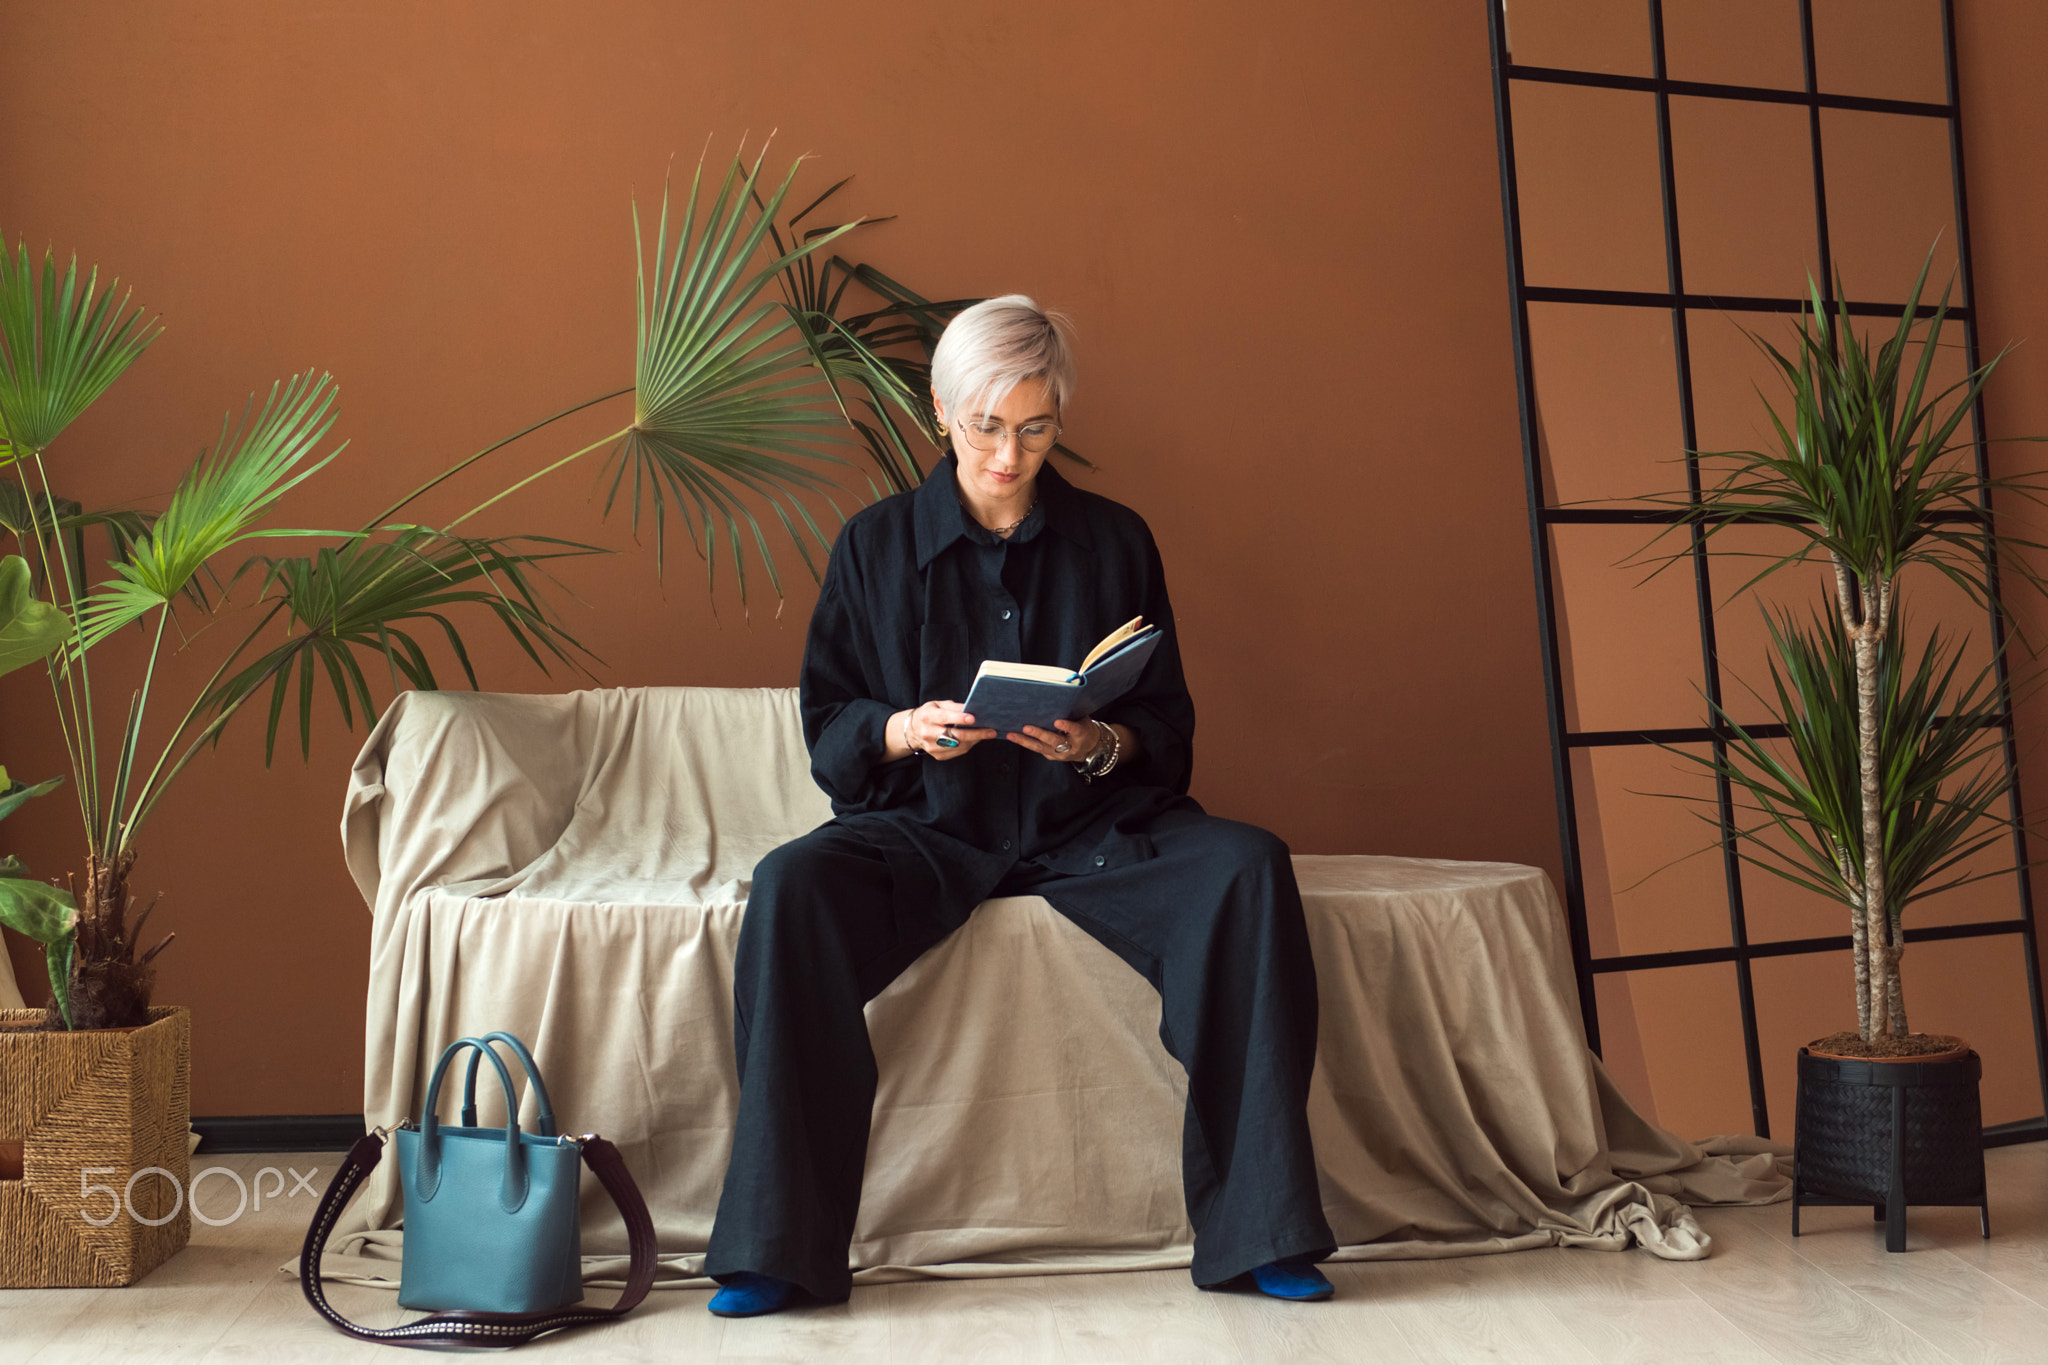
(849, 748)
(1162, 757)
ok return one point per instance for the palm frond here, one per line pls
(217, 503)
(23, 515)
(726, 402)
(61, 345)
(360, 597)
(357, 599)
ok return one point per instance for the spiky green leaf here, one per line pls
(1869, 468)
(1937, 751)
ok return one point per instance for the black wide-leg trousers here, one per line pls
(1214, 922)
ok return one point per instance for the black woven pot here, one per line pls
(1889, 1134)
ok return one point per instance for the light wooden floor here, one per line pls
(1834, 1294)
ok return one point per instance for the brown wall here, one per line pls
(1278, 227)
(1279, 230)
(2006, 126)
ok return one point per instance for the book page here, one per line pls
(1112, 640)
(998, 668)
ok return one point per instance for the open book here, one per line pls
(1006, 697)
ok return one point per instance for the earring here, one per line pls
(942, 427)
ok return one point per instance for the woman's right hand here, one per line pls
(928, 724)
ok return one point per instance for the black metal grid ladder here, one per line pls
(1740, 951)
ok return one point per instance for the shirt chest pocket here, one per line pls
(944, 671)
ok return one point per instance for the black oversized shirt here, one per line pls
(916, 595)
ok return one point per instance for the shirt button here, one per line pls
(1006, 844)
(1099, 860)
(1006, 613)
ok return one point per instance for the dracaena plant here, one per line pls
(736, 403)
(1888, 780)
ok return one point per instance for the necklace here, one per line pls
(1005, 530)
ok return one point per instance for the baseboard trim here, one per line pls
(2019, 1130)
(338, 1132)
(278, 1132)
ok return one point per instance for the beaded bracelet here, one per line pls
(1087, 767)
(1116, 749)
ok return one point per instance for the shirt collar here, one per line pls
(941, 520)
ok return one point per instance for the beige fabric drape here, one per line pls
(573, 869)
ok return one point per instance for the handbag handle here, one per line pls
(467, 1327)
(512, 1187)
(543, 1125)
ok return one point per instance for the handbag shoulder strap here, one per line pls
(461, 1326)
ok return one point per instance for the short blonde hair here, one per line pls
(996, 345)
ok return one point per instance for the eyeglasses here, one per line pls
(1034, 437)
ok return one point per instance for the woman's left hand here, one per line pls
(1081, 738)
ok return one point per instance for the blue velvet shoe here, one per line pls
(747, 1295)
(1295, 1281)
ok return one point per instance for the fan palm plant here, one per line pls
(734, 404)
(1889, 779)
(733, 392)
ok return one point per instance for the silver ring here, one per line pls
(1059, 748)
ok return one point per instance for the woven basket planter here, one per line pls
(1889, 1134)
(114, 1099)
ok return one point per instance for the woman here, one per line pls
(996, 556)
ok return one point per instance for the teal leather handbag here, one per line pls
(490, 1214)
(492, 1240)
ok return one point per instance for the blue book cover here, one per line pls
(1006, 697)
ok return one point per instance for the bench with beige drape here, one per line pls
(574, 869)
